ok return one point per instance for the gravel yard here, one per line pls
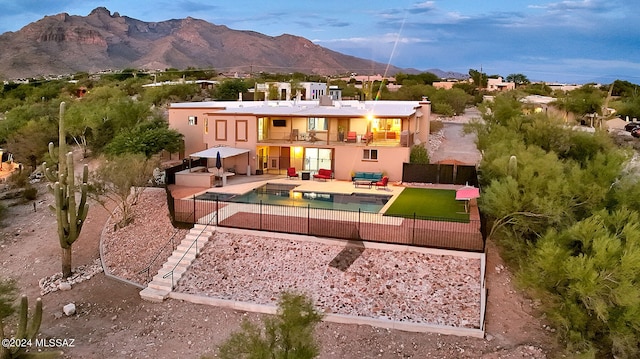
(397, 285)
(128, 250)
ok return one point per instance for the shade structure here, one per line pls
(224, 151)
(467, 193)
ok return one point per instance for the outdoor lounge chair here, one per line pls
(382, 183)
(367, 138)
(291, 172)
(352, 137)
(324, 174)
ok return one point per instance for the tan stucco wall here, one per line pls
(390, 159)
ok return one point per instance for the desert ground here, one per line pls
(112, 321)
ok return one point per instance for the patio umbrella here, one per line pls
(218, 162)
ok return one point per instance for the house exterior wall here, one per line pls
(314, 90)
(389, 162)
(220, 126)
(499, 85)
(447, 85)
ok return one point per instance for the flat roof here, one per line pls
(347, 108)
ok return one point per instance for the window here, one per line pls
(221, 130)
(193, 120)
(206, 125)
(317, 124)
(370, 155)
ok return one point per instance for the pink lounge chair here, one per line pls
(352, 137)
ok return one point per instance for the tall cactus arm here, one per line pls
(22, 322)
(36, 320)
(71, 197)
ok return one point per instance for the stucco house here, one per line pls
(343, 136)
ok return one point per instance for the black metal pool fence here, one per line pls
(414, 230)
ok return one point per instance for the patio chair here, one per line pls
(293, 136)
(367, 138)
(352, 137)
(291, 173)
(382, 183)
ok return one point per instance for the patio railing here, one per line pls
(419, 231)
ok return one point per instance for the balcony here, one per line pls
(386, 138)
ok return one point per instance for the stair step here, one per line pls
(193, 235)
(200, 227)
(189, 249)
(154, 295)
(160, 287)
(177, 274)
(171, 265)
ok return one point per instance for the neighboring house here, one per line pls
(563, 87)
(446, 85)
(498, 84)
(307, 135)
(306, 90)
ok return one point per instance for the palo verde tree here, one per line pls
(70, 216)
(587, 277)
(121, 180)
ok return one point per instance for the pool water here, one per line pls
(285, 195)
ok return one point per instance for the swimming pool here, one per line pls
(286, 195)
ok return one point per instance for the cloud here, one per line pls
(423, 7)
(590, 5)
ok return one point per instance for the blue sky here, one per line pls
(571, 41)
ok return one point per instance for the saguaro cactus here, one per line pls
(25, 335)
(512, 168)
(70, 216)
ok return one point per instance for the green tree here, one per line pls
(229, 89)
(121, 180)
(541, 89)
(584, 100)
(148, 138)
(480, 79)
(160, 95)
(518, 79)
(419, 155)
(287, 336)
(29, 144)
(587, 276)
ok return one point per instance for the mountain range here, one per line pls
(66, 44)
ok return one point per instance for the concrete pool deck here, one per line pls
(244, 184)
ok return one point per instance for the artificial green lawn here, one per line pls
(428, 202)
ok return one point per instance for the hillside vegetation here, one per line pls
(562, 204)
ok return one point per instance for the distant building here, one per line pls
(498, 84)
(306, 90)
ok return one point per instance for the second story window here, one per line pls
(317, 124)
(193, 120)
(370, 155)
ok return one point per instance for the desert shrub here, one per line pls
(435, 126)
(288, 335)
(18, 179)
(419, 155)
(30, 193)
